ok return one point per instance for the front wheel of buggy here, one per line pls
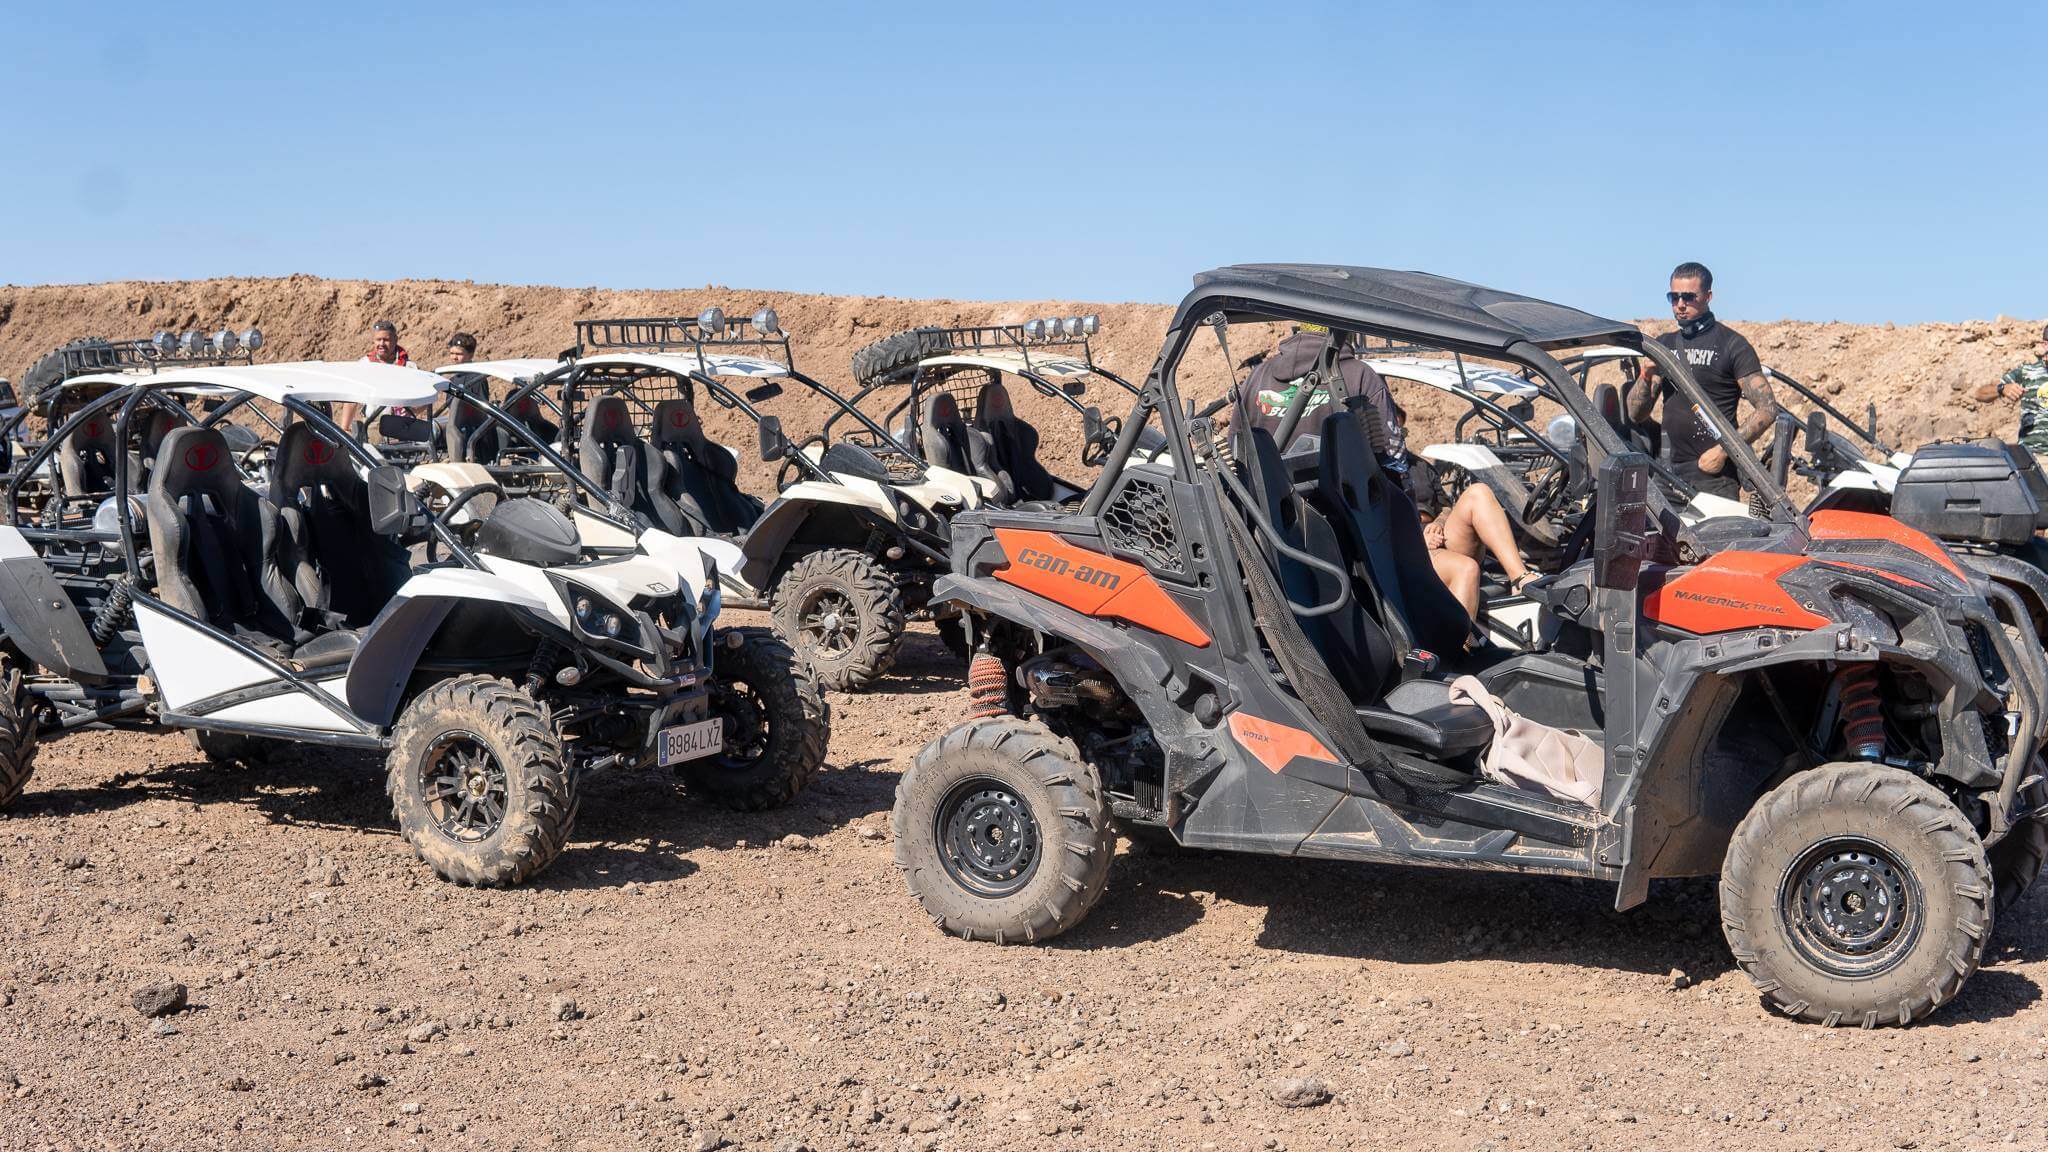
(17, 735)
(1002, 832)
(1856, 894)
(776, 722)
(479, 783)
(2016, 861)
(842, 613)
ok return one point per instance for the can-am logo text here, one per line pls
(1046, 562)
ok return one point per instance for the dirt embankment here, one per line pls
(1919, 377)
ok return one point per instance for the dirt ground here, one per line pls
(682, 976)
(687, 978)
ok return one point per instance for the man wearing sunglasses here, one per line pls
(1728, 372)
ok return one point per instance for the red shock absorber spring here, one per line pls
(988, 686)
(1862, 712)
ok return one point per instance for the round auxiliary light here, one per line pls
(712, 321)
(1052, 327)
(252, 338)
(165, 343)
(1090, 325)
(226, 341)
(1563, 431)
(1071, 327)
(192, 344)
(766, 322)
(1034, 329)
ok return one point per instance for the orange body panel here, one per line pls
(1092, 584)
(1839, 525)
(1730, 592)
(1274, 744)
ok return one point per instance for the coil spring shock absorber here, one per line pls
(115, 611)
(1862, 712)
(988, 686)
(542, 665)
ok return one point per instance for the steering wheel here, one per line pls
(263, 448)
(1095, 451)
(1548, 494)
(782, 474)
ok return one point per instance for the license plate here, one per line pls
(692, 741)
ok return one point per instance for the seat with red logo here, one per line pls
(86, 458)
(337, 565)
(612, 454)
(699, 476)
(215, 543)
(1013, 444)
(949, 442)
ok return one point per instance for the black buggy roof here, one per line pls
(1416, 303)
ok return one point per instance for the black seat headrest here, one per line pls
(306, 458)
(193, 462)
(993, 404)
(609, 422)
(942, 411)
(1607, 399)
(675, 422)
(96, 432)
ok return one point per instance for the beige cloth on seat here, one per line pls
(1557, 762)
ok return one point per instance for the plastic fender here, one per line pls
(972, 491)
(1470, 457)
(688, 555)
(852, 490)
(38, 617)
(508, 583)
(391, 647)
(771, 534)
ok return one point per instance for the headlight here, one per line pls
(1563, 431)
(712, 321)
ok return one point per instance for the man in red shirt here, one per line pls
(384, 349)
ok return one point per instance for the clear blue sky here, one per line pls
(1846, 161)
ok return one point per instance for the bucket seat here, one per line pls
(1014, 444)
(699, 476)
(341, 570)
(215, 544)
(86, 458)
(612, 454)
(949, 442)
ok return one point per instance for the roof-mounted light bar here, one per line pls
(163, 350)
(711, 328)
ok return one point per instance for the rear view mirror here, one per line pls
(760, 392)
(1074, 387)
(774, 445)
(394, 511)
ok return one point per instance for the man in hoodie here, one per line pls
(1727, 371)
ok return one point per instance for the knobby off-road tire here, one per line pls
(1856, 894)
(479, 783)
(229, 748)
(777, 722)
(1002, 832)
(892, 354)
(17, 735)
(842, 613)
(2016, 861)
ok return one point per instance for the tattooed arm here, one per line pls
(1763, 412)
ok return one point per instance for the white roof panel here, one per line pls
(1477, 378)
(510, 371)
(311, 381)
(1004, 361)
(683, 363)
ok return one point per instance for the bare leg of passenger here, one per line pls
(1461, 575)
(1476, 525)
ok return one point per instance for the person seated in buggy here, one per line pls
(1460, 533)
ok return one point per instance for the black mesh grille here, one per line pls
(1140, 520)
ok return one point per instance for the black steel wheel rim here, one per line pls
(746, 719)
(464, 786)
(828, 622)
(1850, 907)
(988, 839)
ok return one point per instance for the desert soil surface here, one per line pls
(684, 977)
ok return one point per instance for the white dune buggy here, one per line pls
(843, 552)
(511, 650)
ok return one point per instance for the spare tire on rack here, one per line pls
(893, 354)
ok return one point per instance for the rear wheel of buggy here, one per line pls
(2016, 861)
(842, 613)
(1856, 894)
(1002, 832)
(17, 735)
(479, 783)
(776, 723)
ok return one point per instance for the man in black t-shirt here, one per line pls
(1727, 370)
